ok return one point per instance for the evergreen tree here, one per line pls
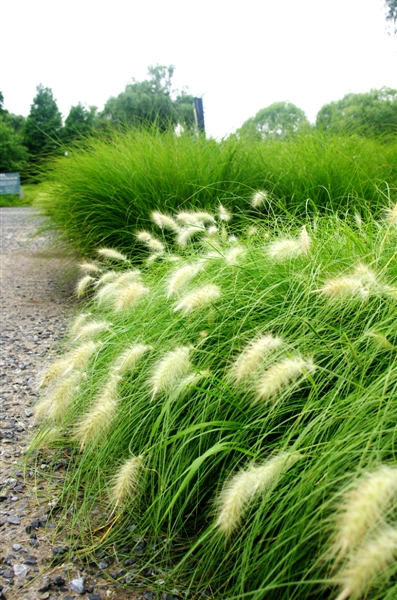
(43, 125)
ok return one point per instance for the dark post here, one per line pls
(199, 113)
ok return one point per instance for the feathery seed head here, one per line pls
(83, 284)
(391, 214)
(155, 245)
(89, 267)
(180, 278)
(164, 221)
(195, 218)
(128, 296)
(92, 329)
(106, 278)
(54, 371)
(78, 322)
(365, 275)
(190, 381)
(368, 563)
(127, 277)
(358, 219)
(143, 236)
(282, 374)
(170, 369)
(224, 214)
(284, 249)
(198, 298)
(97, 421)
(241, 489)
(129, 358)
(112, 254)
(344, 287)
(251, 358)
(186, 233)
(212, 230)
(126, 480)
(60, 397)
(363, 508)
(251, 231)
(305, 240)
(381, 341)
(234, 255)
(80, 356)
(259, 198)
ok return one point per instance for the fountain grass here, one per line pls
(101, 193)
(184, 435)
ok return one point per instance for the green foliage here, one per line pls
(79, 123)
(150, 101)
(43, 125)
(278, 120)
(13, 154)
(331, 299)
(371, 114)
(391, 15)
(102, 193)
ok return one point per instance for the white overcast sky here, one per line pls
(239, 55)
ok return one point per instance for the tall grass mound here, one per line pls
(230, 410)
(101, 193)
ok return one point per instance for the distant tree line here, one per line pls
(26, 142)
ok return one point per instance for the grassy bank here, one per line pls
(231, 406)
(101, 194)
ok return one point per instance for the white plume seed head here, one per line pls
(186, 233)
(112, 254)
(284, 249)
(180, 278)
(212, 230)
(358, 219)
(80, 356)
(92, 329)
(78, 322)
(344, 287)
(282, 374)
(391, 214)
(234, 255)
(128, 360)
(170, 369)
(198, 299)
(252, 357)
(164, 221)
(305, 240)
(61, 395)
(128, 296)
(242, 488)
(106, 278)
(97, 421)
(155, 245)
(198, 218)
(126, 481)
(368, 563)
(143, 236)
(381, 341)
(259, 198)
(83, 284)
(224, 214)
(54, 371)
(363, 508)
(89, 267)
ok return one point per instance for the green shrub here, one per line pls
(103, 192)
(267, 361)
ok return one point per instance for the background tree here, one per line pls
(43, 125)
(391, 15)
(13, 154)
(370, 114)
(78, 123)
(278, 120)
(151, 101)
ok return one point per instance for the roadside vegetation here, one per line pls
(229, 405)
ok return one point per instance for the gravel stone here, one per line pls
(36, 304)
(78, 585)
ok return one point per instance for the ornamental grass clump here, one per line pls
(257, 413)
(242, 488)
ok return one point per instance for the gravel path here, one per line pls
(35, 306)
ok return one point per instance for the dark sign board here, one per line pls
(10, 184)
(199, 113)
